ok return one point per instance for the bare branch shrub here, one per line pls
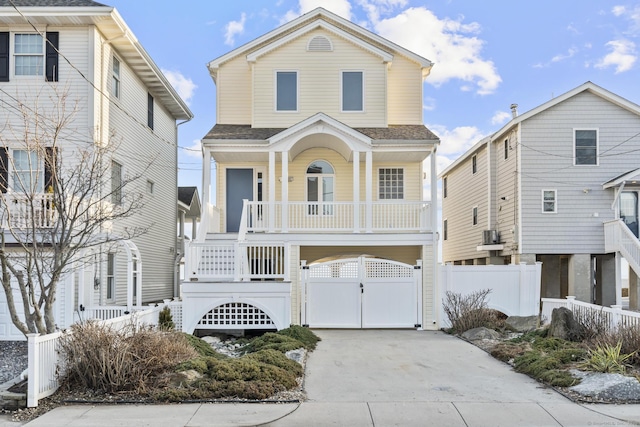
(100, 358)
(595, 323)
(470, 311)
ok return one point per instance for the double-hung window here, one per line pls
(111, 276)
(286, 91)
(586, 146)
(474, 216)
(150, 111)
(549, 201)
(27, 173)
(116, 183)
(28, 55)
(474, 164)
(352, 91)
(390, 183)
(115, 77)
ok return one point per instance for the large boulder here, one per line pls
(564, 326)
(481, 333)
(522, 323)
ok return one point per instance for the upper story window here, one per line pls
(115, 77)
(33, 55)
(474, 216)
(286, 91)
(445, 229)
(390, 183)
(27, 172)
(28, 51)
(506, 149)
(116, 183)
(474, 164)
(352, 91)
(586, 146)
(549, 201)
(150, 111)
(444, 187)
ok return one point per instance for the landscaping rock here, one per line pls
(179, 379)
(564, 325)
(522, 323)
(606, 387)
(481, 333)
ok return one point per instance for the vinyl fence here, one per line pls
(614, 316)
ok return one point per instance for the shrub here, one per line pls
(165, 319)
(506, 351)
(470, 311)
(304, 335)
(201, 346)
(628, 337)
(547, 358)
(607, 358)
(103, 359)
(595, 323)
(273, 341)
(276, 358)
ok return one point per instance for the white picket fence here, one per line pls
(45, 365)
(613, 316)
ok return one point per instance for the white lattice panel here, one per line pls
(335, 269)
(233, 314)
(378, 269)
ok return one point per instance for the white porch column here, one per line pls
(356, 191)
(272, 190)
(206, 178)
(285, 191)
(434, 194)
(369, 190)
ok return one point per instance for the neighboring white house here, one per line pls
(83, 50)
(557, 185)
(319, 217)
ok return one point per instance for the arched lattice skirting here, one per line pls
(234, 314)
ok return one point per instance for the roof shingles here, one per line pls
(50, 3)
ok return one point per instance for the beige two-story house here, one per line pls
(320, 216)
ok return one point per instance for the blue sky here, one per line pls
(487, 54)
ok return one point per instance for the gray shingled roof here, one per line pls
(186, 194)
(393, 132)
(51, 3)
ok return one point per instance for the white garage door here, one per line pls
(361, 293)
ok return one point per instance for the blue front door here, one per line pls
(239, 187)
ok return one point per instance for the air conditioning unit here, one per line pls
(490, 237)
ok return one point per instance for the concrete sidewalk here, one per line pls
(379, 378)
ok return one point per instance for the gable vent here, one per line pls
(320, 44)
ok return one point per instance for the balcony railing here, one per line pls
(223, 261)
(28, 211)
(381, 216)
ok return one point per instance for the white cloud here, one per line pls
(429, 104)
(183, 85)
(622, 56)
(375, 8)
(456, 141)
(194, 150)
(557, 58)
(452, 44)
(339, 7)
(234, 28)
(500, 117)
(618, 10)
(632, 15)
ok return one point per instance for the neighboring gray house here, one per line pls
(547, 187)
(85, 51)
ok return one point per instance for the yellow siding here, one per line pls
(319, 76)
(234, 92)
(404, 92)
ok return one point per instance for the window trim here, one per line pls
(506, 149)
(327, 208)
(474, 216)
(36, 176)
(14, 55)
(444, 187)
(445, 229)
(150, 110)
(555, 200)
(275, 94)
(597, 131)
(342, 73)
(398, 168)
(474, 164)
(116, 192)
(116, 80)
(110, 277)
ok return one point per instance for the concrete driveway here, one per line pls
(418, 378)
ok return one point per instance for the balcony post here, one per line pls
(433, 185)
(369, 190)
(285, 190)
(272, 191)
(356, 191)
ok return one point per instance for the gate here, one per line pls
(361, 293)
